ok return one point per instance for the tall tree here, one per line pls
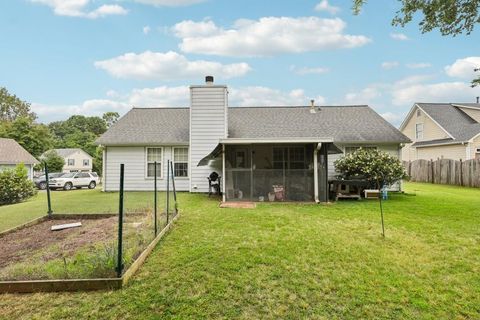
(11, 107)
(35, 138)
(110, 118)
(451, 17)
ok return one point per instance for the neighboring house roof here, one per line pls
(13, 153)
(65, 152)
(457, 123)
(429, 143)
(144, 126)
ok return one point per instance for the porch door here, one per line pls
(323, 173)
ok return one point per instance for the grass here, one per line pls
(297, 261)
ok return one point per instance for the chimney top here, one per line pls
(312, 106)
(209, 79)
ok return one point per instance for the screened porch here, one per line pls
(276, 172)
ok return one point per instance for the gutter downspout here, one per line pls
(104, 169)
(223, 173)
(315, 171)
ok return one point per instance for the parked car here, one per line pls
(78, 180)
(41, 181)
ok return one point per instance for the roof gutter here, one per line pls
(274, 140)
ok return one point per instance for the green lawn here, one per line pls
(291, 261)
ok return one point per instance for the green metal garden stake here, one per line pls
(49, 202)
(119, 268)
(155, 198)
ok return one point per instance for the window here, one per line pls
(83, 175)
(154, 154)
(86, 162)
(419, 131)
(289, 158)
(71, 162)
(349, 150)
(180, 162)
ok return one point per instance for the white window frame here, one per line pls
(187, 162)
(71, 165)
(147, 162)
(416, 130)
(88, 162)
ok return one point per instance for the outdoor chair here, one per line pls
(214, 184)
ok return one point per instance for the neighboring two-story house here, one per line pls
(254, 149)
(442, 131)
(75, 160)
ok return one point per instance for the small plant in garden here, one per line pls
(15, 186)
(377, 167)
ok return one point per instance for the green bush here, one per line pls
(377, 167)
(15, 186)
(53, 161)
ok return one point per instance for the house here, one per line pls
(75, 160)
(254, 149)
(11, 154)
(442, 130)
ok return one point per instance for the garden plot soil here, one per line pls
(22, 244)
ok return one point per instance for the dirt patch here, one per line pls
(22, 244)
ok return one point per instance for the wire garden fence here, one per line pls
(89, 234)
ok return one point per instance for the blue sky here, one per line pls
(90, 56)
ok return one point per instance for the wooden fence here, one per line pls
(445, 171)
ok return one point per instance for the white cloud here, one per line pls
(165, 96)
(266, 37)
(434, 92)
(78, 8)
(167, 66)
(264, 96)
(146, 29)
(392, 117)
(464, 68)
(306, 70)
(365, 96)
(399, 36)
(420, 65)
(325, 6)
(169, 3)
(387, 65)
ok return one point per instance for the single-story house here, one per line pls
(76, 160)
(442, 130)
(12, 154)
(252, 148)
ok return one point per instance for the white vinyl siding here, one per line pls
(154, 155)
(208, 124)
(180, 162)
(134, 159)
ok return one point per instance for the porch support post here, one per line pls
(315, 173)
(223, 173)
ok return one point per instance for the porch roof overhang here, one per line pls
(332, 149)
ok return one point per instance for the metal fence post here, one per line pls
(49, 201)
(174, 190)
(119, 268)
(168, 190)
(155, 198)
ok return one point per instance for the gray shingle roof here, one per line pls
(13, 153)
(341, 123)
(452, 119)
(65, 152)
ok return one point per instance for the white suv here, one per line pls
(71, 180)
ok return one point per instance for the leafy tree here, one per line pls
(35, 138)
(53, 161)
(451, 17)
(11, 107)
(377, 167)
(15, 186)
(110, 118)
(98, 160)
